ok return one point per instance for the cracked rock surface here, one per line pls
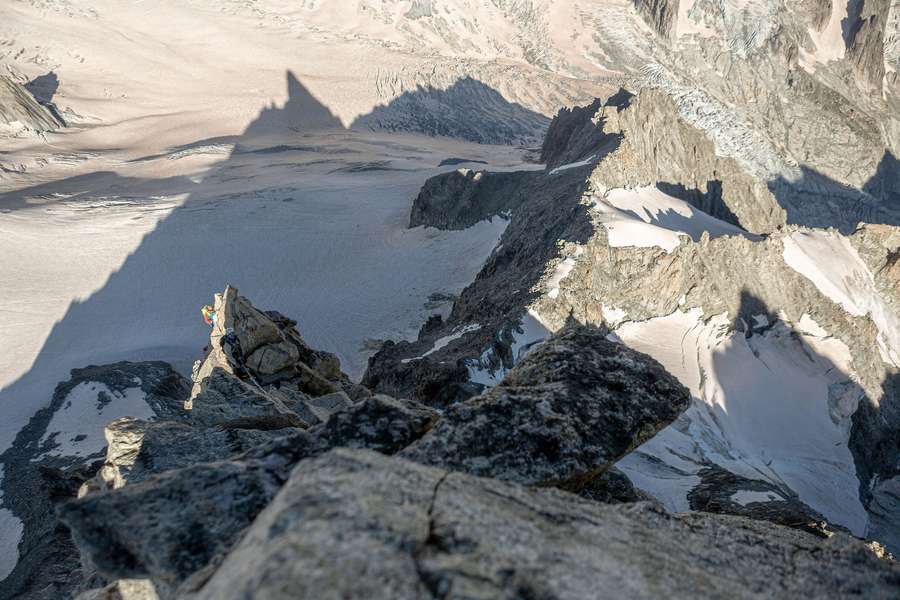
(355, 524)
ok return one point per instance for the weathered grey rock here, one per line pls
(222, 396)
(264, 350)
(44, 467)
(138, 450)
(21, 113)
(325, 406)
(168, 527)
(613, 487)
(562, 416)
(461, 198)
(354, 524)
(721, 491)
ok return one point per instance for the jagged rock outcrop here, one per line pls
(565, 258)
(171, 526)
(661, 15)
(258, 365)
(578, 125)
(21, 113)
(43, 468)
(563, 416)
(354, 524)
(138, 449)
(409, 369)
(463, 197)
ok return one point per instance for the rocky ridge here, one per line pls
(263, 504)
(635, 162)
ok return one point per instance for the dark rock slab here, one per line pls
(562, 416)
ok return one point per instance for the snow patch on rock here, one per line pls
(645, 217)
(832, 264)
(77, 427)
(745, 497)
(563, 269)
(446, 340)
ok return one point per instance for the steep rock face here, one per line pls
(348, 519)
(21, 113)
(556, 419)
(578, 124)
(865, 37)
(659, 146)
(462, 198)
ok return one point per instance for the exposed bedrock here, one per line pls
(355, 524)
(562, 258)
(61, 448)
(661, 15)
(463, 197)
(21, 113)
(561, 417)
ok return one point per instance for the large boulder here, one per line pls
(355, 524)
(138, 449)
(562, 416)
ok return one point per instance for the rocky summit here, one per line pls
(449, 299)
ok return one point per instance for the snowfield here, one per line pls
(763, 408)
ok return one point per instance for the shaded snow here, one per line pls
(645, 217)
(77, 427)
(444, 341)
(745, 497)
(573, 165)
(761, 409)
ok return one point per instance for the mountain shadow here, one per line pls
(816, 200)
(783, 409)
(241, 222)
(468, 109)
(44, 88)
